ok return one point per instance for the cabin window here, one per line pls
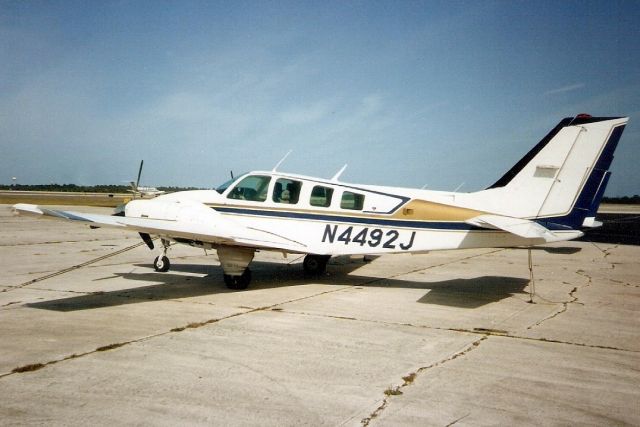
(352, 201)
(253, 188)
(321, 196)
(286, 191)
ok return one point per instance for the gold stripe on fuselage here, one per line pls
(422, 210)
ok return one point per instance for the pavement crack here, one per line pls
(410, 378)
(565, 307)
(477, 331)
(457, 420)
(10, 303)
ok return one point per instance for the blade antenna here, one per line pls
(281, 160)
(337, 175)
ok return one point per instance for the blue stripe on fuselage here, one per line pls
(349, 219)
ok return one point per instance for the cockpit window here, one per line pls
(352, 201)
(286, 191)
(253, 188)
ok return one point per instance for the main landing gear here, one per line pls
(238, 282)
(235, 264)
(315, 265)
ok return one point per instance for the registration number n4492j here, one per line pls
(372, 237)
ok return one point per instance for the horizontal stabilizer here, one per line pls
(518, 226)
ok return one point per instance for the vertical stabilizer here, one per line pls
(561, 181)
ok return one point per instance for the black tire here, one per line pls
(238, 283)
(161, 264)
(315, 265)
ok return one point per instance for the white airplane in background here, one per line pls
(549, 195)
(143, 192)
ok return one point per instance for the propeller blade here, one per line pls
(139, 173)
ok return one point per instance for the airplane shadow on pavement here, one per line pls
(460, 293)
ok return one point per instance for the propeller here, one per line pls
(139, 173)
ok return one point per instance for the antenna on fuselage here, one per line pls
(281, 160)
(231, 174)
(337, 175)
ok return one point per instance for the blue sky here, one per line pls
(407, 93)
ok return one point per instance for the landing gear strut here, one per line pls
(161, 263)
(315, 265)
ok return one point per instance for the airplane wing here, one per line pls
(203, 224)
(518, 226)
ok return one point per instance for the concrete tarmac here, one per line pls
(91, 334)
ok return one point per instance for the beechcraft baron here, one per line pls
(550, 195)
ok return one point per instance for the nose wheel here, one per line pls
(161, 264)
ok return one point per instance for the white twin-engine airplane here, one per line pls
(549, 195)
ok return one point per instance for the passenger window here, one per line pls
(253, 188)
(286, 191)
(352, 201)
(321, 196)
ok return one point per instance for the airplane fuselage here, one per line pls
(335, 218)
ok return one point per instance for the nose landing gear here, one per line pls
(161, 263)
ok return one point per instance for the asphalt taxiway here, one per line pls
(90, 333)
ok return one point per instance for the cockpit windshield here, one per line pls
(251, 188)
(222, 187)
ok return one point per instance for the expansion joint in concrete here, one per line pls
(194, 325)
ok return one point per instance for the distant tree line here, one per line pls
(107, 188)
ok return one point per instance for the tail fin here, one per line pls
(561, 181)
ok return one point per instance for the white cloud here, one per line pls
(563, 89)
